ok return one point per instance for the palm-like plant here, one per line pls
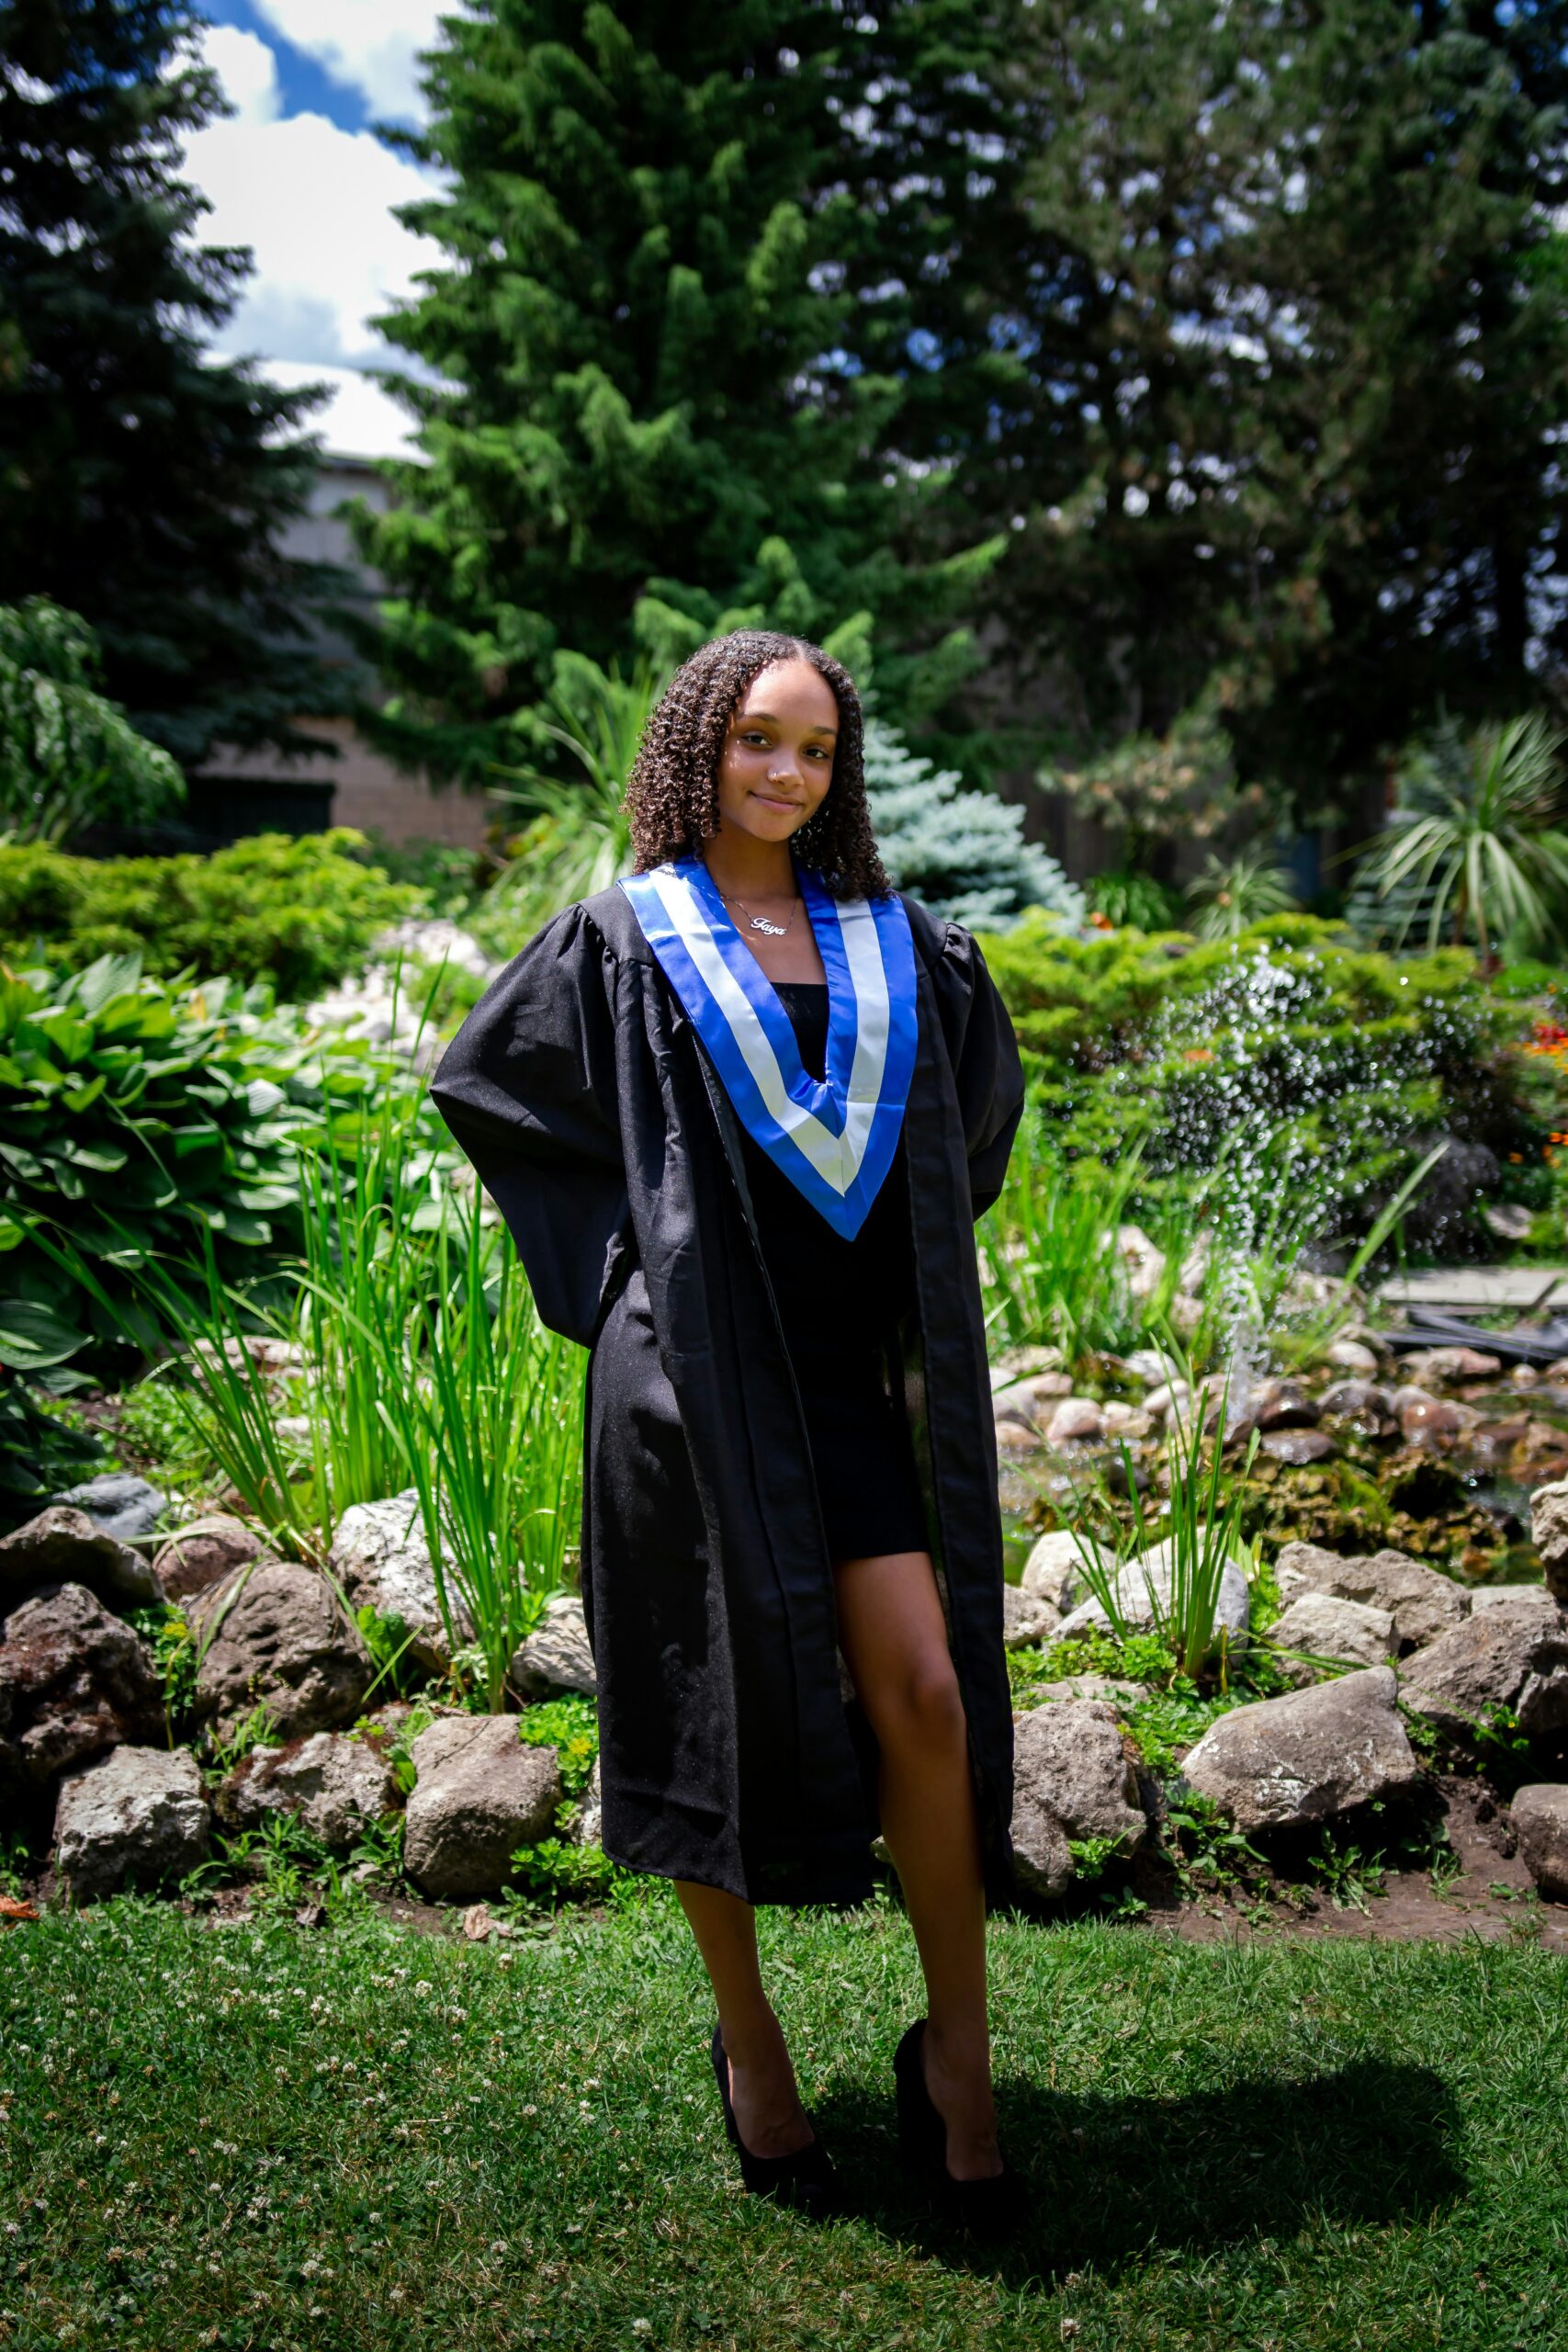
(577, 840)
(1478, 839)
(1232, 893)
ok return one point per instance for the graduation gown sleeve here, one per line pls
(987, 1073)
(528, 1088)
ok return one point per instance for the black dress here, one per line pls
(582, 1095)
(840, 1303)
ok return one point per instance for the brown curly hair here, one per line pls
(672, 792)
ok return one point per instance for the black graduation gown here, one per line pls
(579, 1089)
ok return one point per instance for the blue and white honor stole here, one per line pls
(834, 1138)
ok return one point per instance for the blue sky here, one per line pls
(304, 83)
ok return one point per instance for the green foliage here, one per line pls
(1050, 1273)
(1232, 894)
(1131, 900)
(168, 1634)
(578, 839)
(570, 1725)
(1208, 1855)
(68, 757)
(962, 852)
(554, 1872)
(40, 1451)
(299, 913)
(1148, 790)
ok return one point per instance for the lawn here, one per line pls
(258, 2136)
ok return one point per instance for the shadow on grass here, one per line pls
(1112, 2180)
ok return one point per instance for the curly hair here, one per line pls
(672, 792)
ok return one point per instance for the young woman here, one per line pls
(739, 1113)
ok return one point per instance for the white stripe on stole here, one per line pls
(836, 1159)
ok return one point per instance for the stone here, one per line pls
(1126, 1420)
(1075, 1416)
(136, 1814)
(63, 1545)
(1324, 1626)
(1016, 1436)
(121, 1505)
(1357, 1400)
(1144, 1263)
(1549, 1530)
(1558, 1371)
(1296, 1447)
(276, 1636)
(1421, 1603)
(1431, 1420)
(1538, 1818)
(203, 1554)
(1027, 1617)
(1490, 1596)
(1142, 1582)
(479, 1794)
(1160, 1401)
(1053, 1568)
(1285, 1404)
(1072, 1778)
(335, 1784)
(73, 1680)
(1115, 1691)
(1308, 1756)
(1523, 1375)
(588, 1825)
(1514, 1655)
(1509, 1220)
(1350, 1355)
(1149, 1365)
(1038, 1396)
(1453, 1363)
(557, 1656)
(380, 1559)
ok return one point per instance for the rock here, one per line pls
(1308, 1756)
(63, 1545)
(1053, 1568)
(121, 1505)
(1558, 1371)
(480, 1793)
(555, 1657)
(1144, 1263)
(1429, 1420)
(1523, 1375)
(333, 1783)
(73, 1680)
(1116, 1693)
(1509, 1220)
(1149, 1365)
(1489, 1595)
(1126, 1420)
(1159, 1401)
(1349, 1355)
(1328, 1626)
(137, 1812)
(1421, 1603)
(203, 1554)
(588, 1829)
(1514, 1655)
(382, 1561)
(1538, 1818)
(1142, 1582)
(1015, 1436)
(1297, 1447)
(1075, 1416)
(1548, 1528)
(1452, 1363)
(1357, 1400)
(1072, 1778)
(1027, 1617)
(1285, 1404)
(1038, 1396)
(277, 1638)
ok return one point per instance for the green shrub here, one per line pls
(299, 912)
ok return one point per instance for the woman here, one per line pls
(739, 1113)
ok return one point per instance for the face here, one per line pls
(778, 761)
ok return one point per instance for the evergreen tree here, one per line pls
(141, 487)
(646, 427)
(962, 853)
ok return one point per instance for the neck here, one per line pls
(750, 869)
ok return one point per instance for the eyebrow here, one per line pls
(751, 715)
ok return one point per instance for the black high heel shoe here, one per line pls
(992, 2208)
(804, 2179)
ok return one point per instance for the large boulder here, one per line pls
(1539, 1815)
(556, 1656)
(1028, 1618)
(121, 1505)
(63, 1545)
(73, 1680)
(273, 1635)
(1514, 1655)
(380, 1559)
(203, 1554)
(1421, 1603)
(1141, 1584)
(137, 1812)
(1054, 1570)
(335, 1784)
(479, 1794)
(1073, 1778)
(1308, 1756)
(1323, 1626)
(1549, 1527)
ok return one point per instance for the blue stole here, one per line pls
(834, 1137)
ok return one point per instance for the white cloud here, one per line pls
(359, 421)
(370, 45)
(248, 70)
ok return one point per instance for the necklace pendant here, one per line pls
(769, 930)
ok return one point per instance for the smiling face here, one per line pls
(778, 761)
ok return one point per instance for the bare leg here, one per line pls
(768, 2113)
(893, 1638)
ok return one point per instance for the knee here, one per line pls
(923, 1710)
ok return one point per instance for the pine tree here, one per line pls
(962, 853)
(655, 432)
(140, 486)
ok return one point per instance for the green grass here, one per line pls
(254, 2137)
